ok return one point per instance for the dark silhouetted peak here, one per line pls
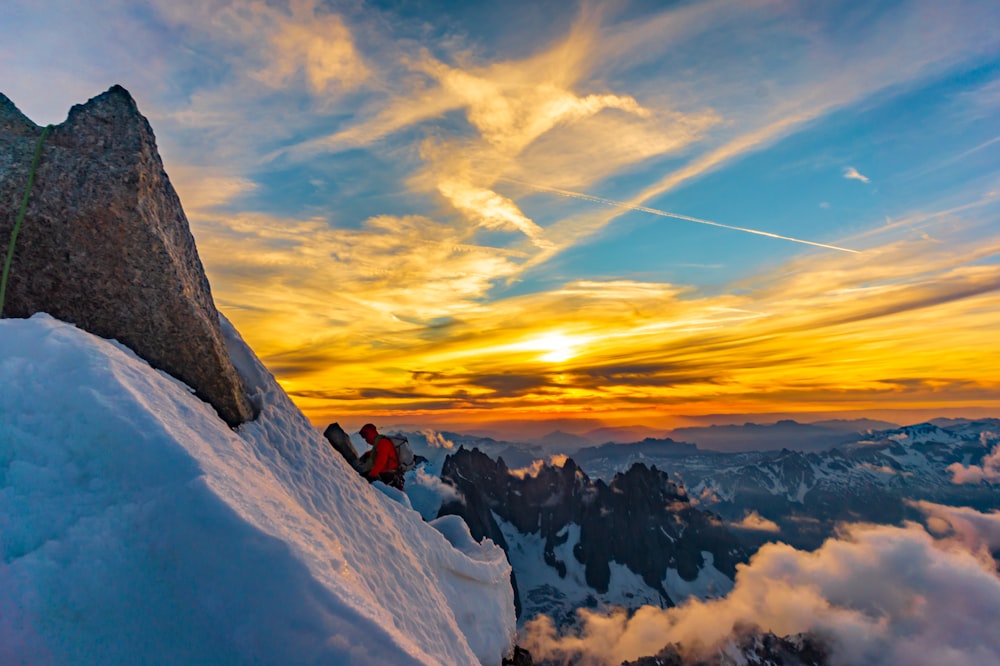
(642, 519)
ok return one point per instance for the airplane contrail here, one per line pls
(678, 216)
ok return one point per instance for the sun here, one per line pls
(557, 346)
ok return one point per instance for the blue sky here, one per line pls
(427, 212)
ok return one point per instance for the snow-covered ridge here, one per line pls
(545, 591)
(136, 527)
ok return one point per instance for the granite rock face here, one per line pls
(105, 244)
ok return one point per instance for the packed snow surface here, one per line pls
(136, 527)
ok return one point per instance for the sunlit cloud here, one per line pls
(756, 522)
(202, 190)
(988, 470)
(490, 209)
(862, 331)
(436, 440)
(524, 118)
(850, 173)
(975, 531)
(314, 44)
(445, 492)
(850, 593)
(536, 467)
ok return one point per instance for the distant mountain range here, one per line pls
(786, 434)
(657, 520)
(776, 436)
(799, 496)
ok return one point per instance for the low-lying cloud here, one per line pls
(876, 594)
(532, 470)
(755, 521)
(436, 440)
(988, 470)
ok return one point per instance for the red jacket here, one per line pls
(384, 456)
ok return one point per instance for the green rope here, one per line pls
(20, 217)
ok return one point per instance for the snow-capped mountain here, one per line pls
(798, 497)
(574, 541)
(772, 436)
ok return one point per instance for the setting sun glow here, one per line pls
(619, 213)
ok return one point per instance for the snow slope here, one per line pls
(136, 527)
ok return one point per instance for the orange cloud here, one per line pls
(755, 521)
(310, 42)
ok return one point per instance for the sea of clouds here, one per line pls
(919, 594)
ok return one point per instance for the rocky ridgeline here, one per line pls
(105, 244)
(641, 519)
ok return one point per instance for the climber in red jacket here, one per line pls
(383, 458)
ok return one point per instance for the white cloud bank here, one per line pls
(989, 470)
(876, 594)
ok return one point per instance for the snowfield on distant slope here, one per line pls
(136, 527)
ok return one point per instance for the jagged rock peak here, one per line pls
(105, 244)
(642, 520)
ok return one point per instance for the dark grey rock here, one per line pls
(519, 657)
(341, 443)
(640, 519)
(105, 244)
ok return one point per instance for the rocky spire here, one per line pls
(105, 244)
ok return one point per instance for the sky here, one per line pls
(457, 215)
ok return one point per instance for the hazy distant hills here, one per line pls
(787, 434)
(799, 496)
(776, 436)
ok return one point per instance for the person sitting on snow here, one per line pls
(382, 462)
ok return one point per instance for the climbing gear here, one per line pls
(20, 217)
